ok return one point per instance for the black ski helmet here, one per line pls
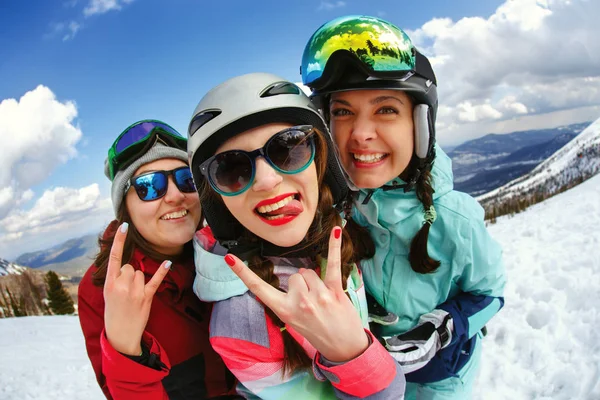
(362, 52)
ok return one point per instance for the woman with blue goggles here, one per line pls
(144, 328)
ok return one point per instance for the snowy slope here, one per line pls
(544, 344)
(578, 158)
(45, 358)
(10, 268)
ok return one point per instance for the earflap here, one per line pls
(422, 134)
(334, 175)
(225, 228)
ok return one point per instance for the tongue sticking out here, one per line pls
(294, 207)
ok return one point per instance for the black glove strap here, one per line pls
(148, 359)
(443, 330)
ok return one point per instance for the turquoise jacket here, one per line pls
(469, 283)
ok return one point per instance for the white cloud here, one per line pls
(27, 195)
(529, 57)
(36, 135)
(512, 105)
(103, 6)
(55, 206)
(456, 133)
(304, 88)
(58, 213)
(330, 5)
(73, 28)
(66, 30)
(6, 199)
(468, 112)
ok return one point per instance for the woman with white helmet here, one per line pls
(269, 187)
(437, 276)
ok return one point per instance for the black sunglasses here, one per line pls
(289, 151)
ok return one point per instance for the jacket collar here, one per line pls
(179, 278)
(442, 179)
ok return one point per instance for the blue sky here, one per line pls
(112, 62)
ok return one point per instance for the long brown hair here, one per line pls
(133, 241)
(326, 218)
(419, 258)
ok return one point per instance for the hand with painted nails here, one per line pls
(127, 299)
(319, 310)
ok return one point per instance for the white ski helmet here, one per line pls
(240, 104)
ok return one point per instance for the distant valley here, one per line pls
(572, 164)
(71, 258)
(484, 164)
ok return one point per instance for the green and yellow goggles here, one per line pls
(378, 47)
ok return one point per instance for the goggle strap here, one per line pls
(155, 136)
(423, 67)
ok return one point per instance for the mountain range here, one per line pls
(489, 162)
(6, 268)
(72, 257)
(572, 164)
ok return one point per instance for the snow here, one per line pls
(464, 178)
(468, 158)
(10, 268)
(563, 165)
(544, 344)
(45, 358)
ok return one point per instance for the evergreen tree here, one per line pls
(16, 305)
(60, 300)
(5, 304)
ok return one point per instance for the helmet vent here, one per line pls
(201, 119)
(280, 88)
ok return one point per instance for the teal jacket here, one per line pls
(469, 283)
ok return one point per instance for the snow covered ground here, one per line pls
(45, 358)
(544, 344)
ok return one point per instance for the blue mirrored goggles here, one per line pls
(134, 140)
(289, 151)
(154, 185)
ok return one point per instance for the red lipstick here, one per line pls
(273, 200)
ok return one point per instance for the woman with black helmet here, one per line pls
(437, 277)
(268, 187)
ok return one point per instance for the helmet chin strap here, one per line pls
(245, 250)
(246, 247)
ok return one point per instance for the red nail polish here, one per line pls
(229, 260)
(337, 232)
